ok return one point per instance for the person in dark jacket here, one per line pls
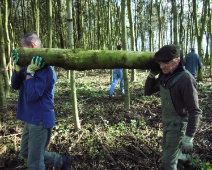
(192, 62)
(117, 74)
(180, 107)
(35, 107)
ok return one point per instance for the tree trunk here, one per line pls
(199, 30)
(7, 46)
(132, 35)
(35, 15)
(3, 69)
(210, 37)
(77, 125)
(149, 27)
(175, 17)
(124, 46)
(86, 60)
(211, 56)
(158, 7)
(50, 31)
(181, 30)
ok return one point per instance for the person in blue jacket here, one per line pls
(36, 84)
(117, 74)
(192, 62)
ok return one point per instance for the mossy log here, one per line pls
(91, 59)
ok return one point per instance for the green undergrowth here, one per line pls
(110, 137)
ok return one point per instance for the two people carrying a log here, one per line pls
(178, 91)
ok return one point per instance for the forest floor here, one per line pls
(110, 136)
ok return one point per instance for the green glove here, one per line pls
(153, 73)
(36, 64)
(15, 58)
(187, 144)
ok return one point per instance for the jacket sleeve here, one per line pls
(151, 85)
(192, 106)
(17, 79)
(199, 63)
(35, 87)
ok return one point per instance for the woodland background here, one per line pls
(122, 133)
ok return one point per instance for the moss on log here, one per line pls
(92, 59)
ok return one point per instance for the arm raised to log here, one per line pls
(92, 59)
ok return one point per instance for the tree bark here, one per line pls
(175, 21)
(50, 24)
(3, 103)
(6, 46)
(132, 35)
(77, 124)
(86, 60)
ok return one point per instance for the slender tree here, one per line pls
(150, 24)
(199, 29)
(73, 85)
(208, 33)
(158, 7)
(141, 24)
(7, 47)
(132, 35)
(61, 42)
(124, 46)
(3, 69)
(175, 25)
(23, 17)
(109, 34)
(36, 16)
(210, 36)
(181, 31)
(50, 31)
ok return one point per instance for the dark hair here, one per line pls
(119, 47)
(192, 49)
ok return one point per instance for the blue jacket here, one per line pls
(192, 63)
(36, 96)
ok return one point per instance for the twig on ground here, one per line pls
(136, 148)
(76, 141)
(209, 127)
(130, 155)
(3, 149)
(15, 134)
(107, 152)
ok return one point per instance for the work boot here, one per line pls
(185, 160)
(67, 161)
(187, 165)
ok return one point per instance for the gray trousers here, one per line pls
(172, 136)
(34, 142)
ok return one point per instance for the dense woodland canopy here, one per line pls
(144, 25)
(97, 24)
